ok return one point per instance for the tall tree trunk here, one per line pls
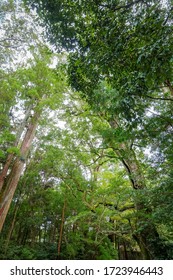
(147, 236)
(12, 180)
(11, 157)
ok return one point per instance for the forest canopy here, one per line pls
(86, 129)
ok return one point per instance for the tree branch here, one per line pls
(159, 98)
(127, 6)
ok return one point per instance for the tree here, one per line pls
(70, 166)
(40, 88)
(120, 61)
(76, 164)
(129, 44)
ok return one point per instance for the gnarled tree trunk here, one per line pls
(146, 236)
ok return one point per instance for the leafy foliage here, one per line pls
(97, 181)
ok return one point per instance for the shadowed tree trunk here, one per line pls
(61, 228)
(9, 235)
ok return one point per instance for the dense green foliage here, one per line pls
(97, 181)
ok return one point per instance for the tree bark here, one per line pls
(11, 157)
(11, 182)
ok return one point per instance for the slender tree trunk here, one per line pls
(40, 235)
(61, 228)
(25, 236)
(18, 237)
(119, 250)
(11, 227)
(54, 237)
(45, 233)
(12, 180)
(53, 230)
(125, 251)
